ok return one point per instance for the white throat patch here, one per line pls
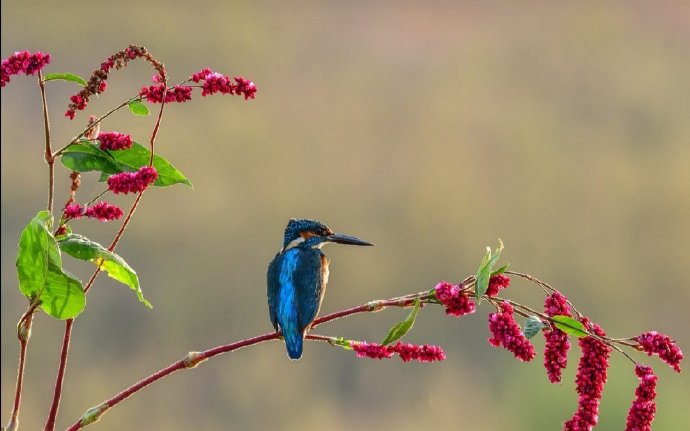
(294, 243)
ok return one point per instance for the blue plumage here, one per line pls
(297, 279)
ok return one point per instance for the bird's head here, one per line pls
(314, 234)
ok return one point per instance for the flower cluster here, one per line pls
(102, 211)
(114, 141)
(215, 82)
(655, 343)
(132, 182)
(641, 413)
(407, 352)
(557, 341)
(154, 93)
(454, 298)
(22, 62)
(97, 82)
(590, 379)
(506, 332)
(72, 211)
(496, 283)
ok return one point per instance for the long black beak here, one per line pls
(346, 239)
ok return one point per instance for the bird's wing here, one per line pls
(310, 287)
(273, 282)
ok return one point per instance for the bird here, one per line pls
(297, 278)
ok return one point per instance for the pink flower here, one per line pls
(454, 298)
(506, 332)
(215, 82)
(114, 141)
(371, 350)
(103, 211)
(655, 343)
(407, 352)
(97, 82)
(73, 211)
(22, 62)
(246, 87)
(496, 283)
(201, 75)
(641, 413)
(557, 341)
(132, 182)
(154, 93)
(590, 380)
(411, 352)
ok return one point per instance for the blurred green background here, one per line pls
(429, 128)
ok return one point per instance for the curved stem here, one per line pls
(192, 359)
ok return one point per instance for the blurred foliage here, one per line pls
(431, 129)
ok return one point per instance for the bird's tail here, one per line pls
(294, 343)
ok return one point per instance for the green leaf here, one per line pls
(501, 270)
(138, 108)
(342, 342)
(65, 77)
(86, 157)
(133, 158)
(570, 326)
(63, 297)
(37, 251)
(533, 325)
(484, 271)
(399, 330)
(83, 248)
(40, 274)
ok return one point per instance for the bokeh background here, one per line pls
(430, 128)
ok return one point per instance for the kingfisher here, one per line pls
(297, 278)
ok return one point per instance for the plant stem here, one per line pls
(192, 359)
(23, 335)
(50, 423)
(48, 154)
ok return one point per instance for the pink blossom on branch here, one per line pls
(97, 82)
(22, 62)
(506, 332)
(454, 298)
(103, 211)
(407, 352)
(114, 141)
(132, 182)
(654, 343)
(73, 211)
(496, 283)
(590, 379)
(154, 93)
(215, 82)
(412, 352)
(557, 341)
(643, 409)
(371, 350)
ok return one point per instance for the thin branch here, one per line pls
(48, 154)
(50, 423)
(192, 359)
(96, 122)
(23, 335)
